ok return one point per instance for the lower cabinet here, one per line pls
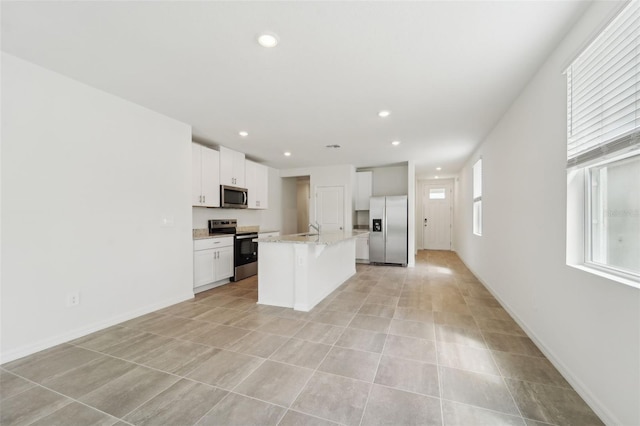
(362, 249)
(212, 260)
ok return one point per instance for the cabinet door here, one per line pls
(231, 167)
(362, 248)
(238, 169)
(196, 175)
(364, 182)
(203, 267)
(251, 180)
(210, 177)
(224, 263)
(262, 177)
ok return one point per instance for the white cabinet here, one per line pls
(257, 180)
(212, 260)
(364, 183)
(205, 176)
(362, 249)
(231, 168)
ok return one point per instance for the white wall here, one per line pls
(269, 219)
(87, 179)
(588, 326)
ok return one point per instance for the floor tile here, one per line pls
(366, 322)
(240, 304)
(455, 320)
(251, 320)
(421, 330)
(138, 322)
(258, 344)
(456, 414)
(490, 313)
(380, 299)
(395, 407)
(183, 403)
(489, 302)
(552, 404)
(512, 344)
(89, 377)
(460, 336)
(135, 349)
(351, 363)
(222, 336)
(186, 309)
(531, 369)
(120, 396)
(171, 326)
(239, 410)
(341, 319)
(482, 390)
(409, 375)
(178, 358)
(351, 306)
(282, 326)
(221, 315)
(320, 333)
(41, 367)
(412, 314)
(11, 384)
(106, 338)
(301, 353)
(293, 418)
(29, 406)
(466, 358)
(377, 310)
(217, 300)
(500, 326)
(411, 348)
(446, 305)
(275, 382)
(422, 303)
(225, 369)
(76, 414)
(343, 399)
(363, 340)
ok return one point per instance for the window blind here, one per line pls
(602, 92)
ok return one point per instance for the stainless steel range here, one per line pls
(245, 253)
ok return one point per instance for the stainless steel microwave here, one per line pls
(233, 197)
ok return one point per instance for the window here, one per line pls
(437, 194)
(477, 197)
(603, 148)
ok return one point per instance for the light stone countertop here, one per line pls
(324, 238)
(203, 234)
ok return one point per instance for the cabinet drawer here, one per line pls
(210, 243)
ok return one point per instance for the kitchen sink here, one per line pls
(308, 235)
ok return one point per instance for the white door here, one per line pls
(436, 217)
(330, 208)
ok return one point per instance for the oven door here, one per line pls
(246, 251)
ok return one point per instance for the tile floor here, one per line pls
(425, 346)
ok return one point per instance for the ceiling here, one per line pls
(446, 70)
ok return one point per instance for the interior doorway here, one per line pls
(436, 216)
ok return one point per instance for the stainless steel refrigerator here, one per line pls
(388, 229)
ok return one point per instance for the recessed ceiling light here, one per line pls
(268, 40)
(287, 154)
(438, 168)
(384, 113)
(243, 133)
(395, 143)
(437, 177)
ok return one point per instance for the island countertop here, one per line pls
(324, 238)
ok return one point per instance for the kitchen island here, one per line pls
(298, 271)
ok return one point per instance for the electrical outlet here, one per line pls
(73, 299)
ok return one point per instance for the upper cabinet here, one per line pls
(205, 176)
(364, 182)
(257, 180)
(232, 168)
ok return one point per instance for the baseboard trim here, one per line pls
(592, 401)
(26, 350)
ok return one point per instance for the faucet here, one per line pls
(316, 226)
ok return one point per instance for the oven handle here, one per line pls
(244, 237)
